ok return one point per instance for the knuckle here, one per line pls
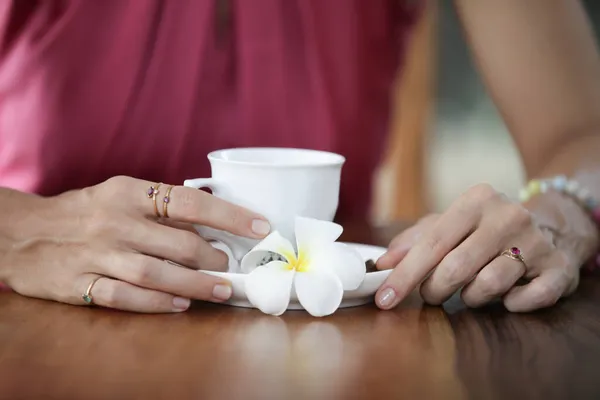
(518, 215)
(490, 283)
(221, 260)
(428, 220)
(481, 193)
(408, 236)
(107, 191)
(235, 216)
(187, 201)
(566, 266)
(141, 273)
(189, 248)
(110, 295)
(454, 269)
(546, 295)
(116, 184)
(434, 245)
(540, 243)
(430, 296)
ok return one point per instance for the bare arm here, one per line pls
(540, 64)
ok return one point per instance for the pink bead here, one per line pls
(596, 215)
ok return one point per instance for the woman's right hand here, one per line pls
(53, 248)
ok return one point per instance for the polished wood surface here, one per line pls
(54, 351)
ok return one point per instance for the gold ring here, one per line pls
(151, 193)
(87, 296)
(516, 254)
(166, 201)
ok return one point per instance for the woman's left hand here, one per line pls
(462, 248)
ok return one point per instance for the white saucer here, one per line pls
(362, 295)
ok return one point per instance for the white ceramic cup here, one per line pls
(279, 183)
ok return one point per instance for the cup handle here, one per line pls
(218, 188)
(238, 245)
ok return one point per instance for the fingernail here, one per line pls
(386, 298)
(261, 227)
(222, 292)
(181, 304)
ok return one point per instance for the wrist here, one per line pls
(572, 225)
(24, 212)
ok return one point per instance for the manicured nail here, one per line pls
(386, 298)
(181, 304)
(222, 292)
(261, 227)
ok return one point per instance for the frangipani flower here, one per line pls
(318, 269)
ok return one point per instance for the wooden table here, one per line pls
(54, 351)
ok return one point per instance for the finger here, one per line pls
(459, 266)
(493, 281)
(544, 290)
(190, 206)
(198, 207)
(178, 225)
(446, 233)
(152, 273)
(398, 248)
(180, 246)
(119, 295)
(401, 244)
(462, 264)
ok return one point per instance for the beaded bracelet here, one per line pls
(568, 187)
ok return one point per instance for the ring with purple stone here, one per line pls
(151, 193)
(516, 254)
(166, 201)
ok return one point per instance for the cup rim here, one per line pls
(335, 159)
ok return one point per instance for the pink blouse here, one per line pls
(146, 88)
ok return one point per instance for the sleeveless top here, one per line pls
(146, 88)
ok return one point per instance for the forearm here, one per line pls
(540, 64)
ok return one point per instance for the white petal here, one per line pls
(344, 261)
(274, 243)
(313, 233)
(319, 291)
(268, 287)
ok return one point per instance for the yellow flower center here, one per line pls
(299, 264)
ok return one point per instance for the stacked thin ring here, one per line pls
(152, 192)
(166, 201)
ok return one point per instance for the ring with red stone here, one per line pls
(166, 201)
(152, 192)
(516, 254)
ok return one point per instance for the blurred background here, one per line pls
(447, 134)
